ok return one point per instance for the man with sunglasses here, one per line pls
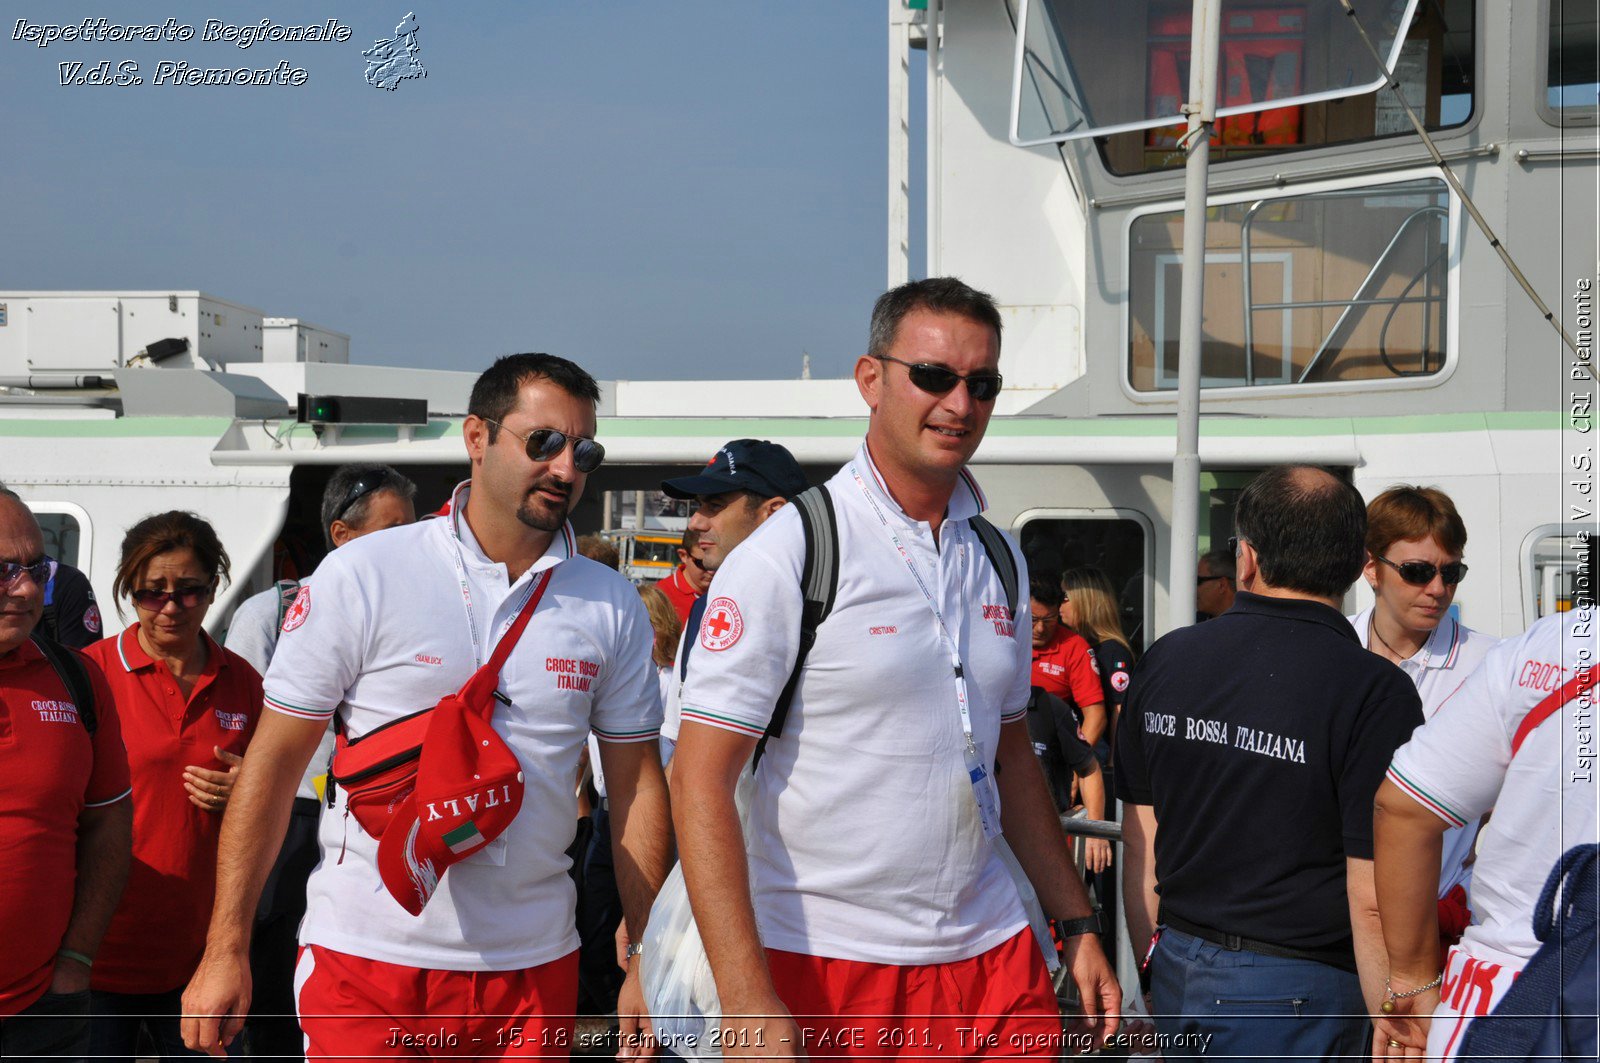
(1247, 759)
(359, 499)
(392, 624)
(873, 870)
(1415, 539)
(67, 832)
(686, 583)
(1215, 584)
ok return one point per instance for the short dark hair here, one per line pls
(378, 477)
(163, 533)
(494, 394)
(1222, 563)
(690, 540)
(945, 295)
(1046, 590)
(1307, 526)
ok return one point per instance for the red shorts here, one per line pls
(999, 1005)
(353, 1008)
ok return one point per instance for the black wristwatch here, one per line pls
(1093, 923)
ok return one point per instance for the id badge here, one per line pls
(988, 801)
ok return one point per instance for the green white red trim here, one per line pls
(1425, 799)
(727, 723)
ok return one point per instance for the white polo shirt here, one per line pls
(1451, 653)
(864, 837)
(385, 633)
(1459, 764)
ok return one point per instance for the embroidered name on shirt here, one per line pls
(883, 629)
(1540, 675)
(1269, 745)
(231, 721)
(572, 673)
(428, 658)
(1004, 619)
(56, 711)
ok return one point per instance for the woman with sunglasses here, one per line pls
(188, 708)
(1415, 539)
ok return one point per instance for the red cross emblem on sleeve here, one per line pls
(722, 625)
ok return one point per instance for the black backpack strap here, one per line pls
(74, 675)
(691, 634)
(819, 583)
(288, 590)
(999, 551)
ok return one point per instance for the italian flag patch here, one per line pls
(464, 837)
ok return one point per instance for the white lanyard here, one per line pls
(933, 605)
(466, 597)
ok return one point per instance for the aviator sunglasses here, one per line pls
(154, 600)
(42, 571)
(937, 380)
(1421, 573)
(543, 444)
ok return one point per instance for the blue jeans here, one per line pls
(1214, 1003)
(54, 1027)
(118, 1018)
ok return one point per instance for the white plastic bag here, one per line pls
(676, 976)
(674, 972)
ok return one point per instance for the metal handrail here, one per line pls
(1091, 828)
(1246, 229)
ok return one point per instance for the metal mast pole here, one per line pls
(899, 143)
(1202, 112)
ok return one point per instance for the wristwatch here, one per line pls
(1094, 923)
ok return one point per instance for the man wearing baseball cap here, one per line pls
(744, 483)
(440, 920)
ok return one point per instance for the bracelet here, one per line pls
(1387, 1007)
(634, 948)
(75, 956)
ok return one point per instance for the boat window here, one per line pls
(1552, 555)
(1115, 70)
(1332, 286)
(1116, 545)
(61, 536)
(1572, 63)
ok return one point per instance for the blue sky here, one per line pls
(657, 190)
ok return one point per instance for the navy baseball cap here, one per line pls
(756, 465)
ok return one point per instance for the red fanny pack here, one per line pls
(379, 770)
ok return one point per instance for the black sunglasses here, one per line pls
(186, 597)
(359, 490)
(1201, 581)
(1421, 573)
(42, 571)
(543, 444)
(937, 380)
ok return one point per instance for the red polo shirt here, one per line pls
(678, 591)
(159, 930)
(50, 771)
(1065, 669)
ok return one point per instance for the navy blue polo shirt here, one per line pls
(1259, 739)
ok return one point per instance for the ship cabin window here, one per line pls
(63, 534)
(1118, 545)
(1552, 556)
(1334, 286)
(1271, 50)
(1571, 82)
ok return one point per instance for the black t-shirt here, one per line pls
(1115, 665)
(1053, 729)
(1259, 739)
(71, 616)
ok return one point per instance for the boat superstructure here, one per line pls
(1353, 316)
